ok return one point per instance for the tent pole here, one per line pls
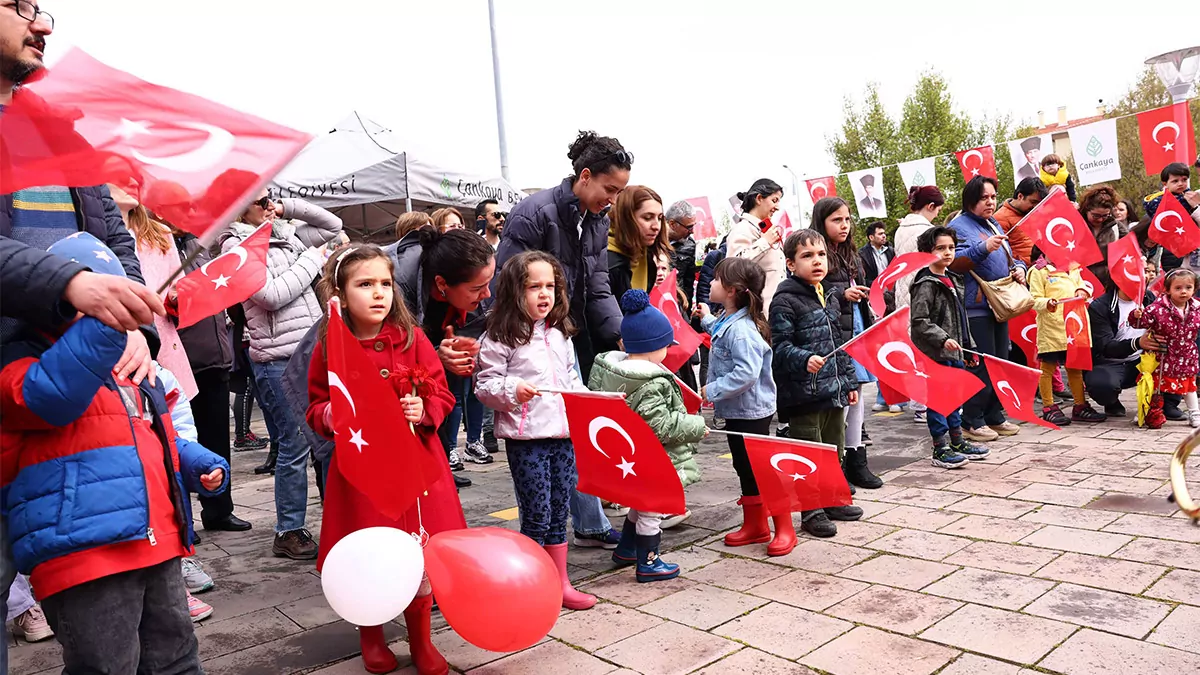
(499, 100)
(408, 204)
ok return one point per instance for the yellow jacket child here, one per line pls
(1045, 284)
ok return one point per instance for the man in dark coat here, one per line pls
(876, 255)
(681, 220)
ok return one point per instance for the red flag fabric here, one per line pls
(1015, 386)
(607, 436)
(796, 475)
(226, 280)
(691, 399)
(1056, 227)
(1091, 283)
(1159, 284)
(1126, 268)
(916, 375)
(705, 227)
(785, 223)
(377, 452)
(1167, 135)
(979, 161)
(1079, 334)
(1022, 330)
(1173, 227)
(900, 267)
(819, 188)
(891, 396)
(663, 297)
(194, 163)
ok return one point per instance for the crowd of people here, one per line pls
(479, 328)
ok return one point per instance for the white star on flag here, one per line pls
(796, 477)
(357, 439)
(919, 373)
(626, 468)
(1127, 259)
(128, 129)
(1071, 245)
(1168, 146)
(1070, 339)
(974, 172)
(221, 282)
(1179, 230)
(104, 256)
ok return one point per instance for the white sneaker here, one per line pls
(477, 454)
(671, 521)
(895, 409)
(198, 609)
(32, 625)
(919, 416)
(878, 407)
(194, 576)
(1194, 418)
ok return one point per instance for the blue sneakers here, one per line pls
(945, 457)
(970, 450)
(605, 540)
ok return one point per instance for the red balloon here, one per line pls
(497, 589)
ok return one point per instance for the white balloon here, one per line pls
(371, 575)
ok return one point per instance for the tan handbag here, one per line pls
(1007, 297)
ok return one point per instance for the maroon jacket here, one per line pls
(1177, 332)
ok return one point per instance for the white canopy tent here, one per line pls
(359, 172)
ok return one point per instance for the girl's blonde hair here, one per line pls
(147, 232)
(333, 282)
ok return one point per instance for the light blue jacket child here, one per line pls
(739, 368)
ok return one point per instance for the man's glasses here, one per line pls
(263, 203)
(30, 12)
(499, 215)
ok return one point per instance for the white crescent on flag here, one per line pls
(891, 348)
(1005, 387)
(1025, 332)
(1078, 322)
(1158, 220)
(209, 154)
(968, 154)
(894, 274)
(1050, 229)
(336, 382)
(1164, 125)
(599, 423)
(783, 456)
(821, 187)
(237, 251)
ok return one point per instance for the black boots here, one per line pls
(269, 465)
(854, 466)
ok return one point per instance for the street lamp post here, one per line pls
(795, 190)
(499, 100)
(1177, 70)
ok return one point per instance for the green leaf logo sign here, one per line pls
(1094, 147)
(446, 186)
(918, 179)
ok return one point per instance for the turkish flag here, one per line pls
(1056, 228)
(664, 298)
(1091, 283)
(377, 451)
(607, 435)
(1173, 227)
(979, 161)
(1079, 334)
(1126, 268)
(1015, 386)
(691, 399)
(225, 281)
(1022, 330)
(900, 267)
(819, 188)
(914, 374)
(1159, 284)
(1167, 135)
(194, 163)
(785, 224)
(705, 227)
(796, 475)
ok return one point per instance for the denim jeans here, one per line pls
(291, 466)
(587, 514)
(939, 424)
(543, 472)
(464, 398)
(8, 572)
(135, 621)
(991, 337)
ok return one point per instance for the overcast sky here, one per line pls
(708, 96)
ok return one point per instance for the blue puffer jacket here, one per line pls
(95, 478)
(973, 233)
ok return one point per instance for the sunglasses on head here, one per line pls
(623, 157)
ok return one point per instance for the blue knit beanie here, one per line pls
(644, 329)
(90, 252)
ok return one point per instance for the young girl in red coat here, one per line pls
(361, 277)
(1175, 318)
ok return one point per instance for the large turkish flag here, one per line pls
(194, 163)
(796, 475)
(1056, 227)
(1167, 135)
(608, 436)
(231, 278)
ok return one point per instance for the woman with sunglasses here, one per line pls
(277, 318)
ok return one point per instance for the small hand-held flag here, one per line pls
(1079, 333)
(1015, 386)
(663, 297)
(1022, 330)
(1126, 267)
(900, 267)
(618, 457)
(796, 475)
(1173, 227)
(226, 280)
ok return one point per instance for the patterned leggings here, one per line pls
(543, 472)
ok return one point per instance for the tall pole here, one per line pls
(795, 190)
(499, 99)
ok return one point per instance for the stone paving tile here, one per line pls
(970, 664)
(872, 508)
(1077, 541)
(300, 651)
(784, 631)
(993, 506)
(894, 609)
(738, 574)
(623, 589)
(809, 590)
(892, 570)
(1160, 552)
(823, 556)
(917, 518)
(919, 544)
(988, 487)
(991, 529)
(693, 558)
(601, 626)
(1069, 516)
(1051, 476)
(856, 532)
(866, 651)
(249, 592)
(1089, 652)
(922, 479)
(1136, 486)
(462, 655)
(1155, 526)
(996, 632)
(1122, 576)
(1105, 610)
(533, 662)
(1155, 506)
(753, 662)
(1108, 467)
(1062, 495)
(985, 587)
(310, 612)
(1010, 558)
(1177, 585)
(1179, 630)
(703, 607)
(1042, 461)
(219, 636)
(932, 499)
(668, 649)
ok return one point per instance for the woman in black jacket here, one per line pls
(637, 240)
(831, 218)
